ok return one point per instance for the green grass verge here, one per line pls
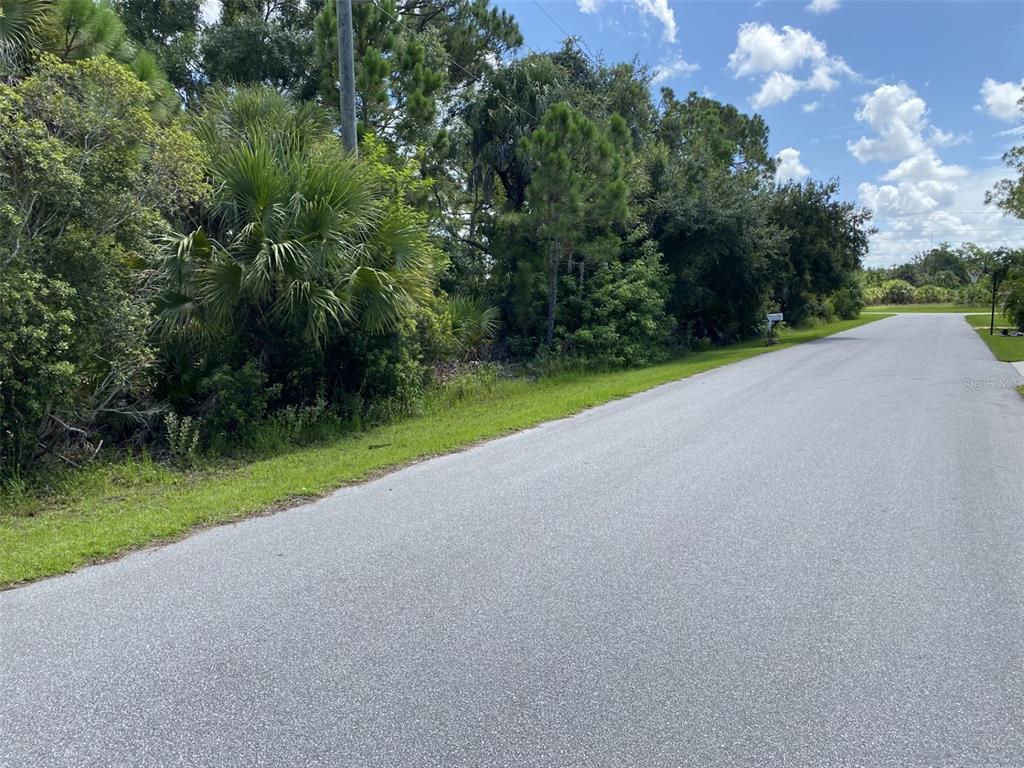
(1009, 349)
(899, 308)
(109, 509)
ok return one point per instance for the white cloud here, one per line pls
(822, 78)
(761, 49)
(778, 87)
(1001, 99)
(811, 106)
(925, 166)
(1015, 131)
(823, 6)
(940, 138)
(913, 217)
(660, 10)
(906, 198)
(790, 168)
(925, 201)
(899, 117)
(677, 67)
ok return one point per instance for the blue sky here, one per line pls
(910, 104)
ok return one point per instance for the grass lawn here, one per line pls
(897, 308)
(108, 509)
(1009, 349)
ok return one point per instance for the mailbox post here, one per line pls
(773, 319)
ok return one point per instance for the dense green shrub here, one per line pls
(897, 292)
(931, 294)
(86, 177)
(1013, 299)
(976, 294)
(873, 295)
(37, 372)
(847, 303)
(235, 401)
(393, 377)
(625, 321)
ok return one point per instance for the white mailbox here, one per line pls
(773, 319)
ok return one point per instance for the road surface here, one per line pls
(811, 558)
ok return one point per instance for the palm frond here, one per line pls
(250, 182)
(474, 322)
(374, 298)
(22, 25)
(219, 286)
(401, 242)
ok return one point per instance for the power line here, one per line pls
(953, 234)
(952, 213)
(590, 54)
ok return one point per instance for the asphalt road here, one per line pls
(811, 558)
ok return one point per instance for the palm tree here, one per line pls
(297, 235)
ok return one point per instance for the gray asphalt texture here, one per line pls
(811, 558)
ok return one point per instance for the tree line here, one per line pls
(962, 275)
(187, 252)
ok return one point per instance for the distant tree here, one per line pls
(1008, 194)
(168, 29)
(908, 273)
(263, 41)
(942, 258)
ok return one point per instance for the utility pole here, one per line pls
(992, 321)
(346, 75)
(998, 272)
